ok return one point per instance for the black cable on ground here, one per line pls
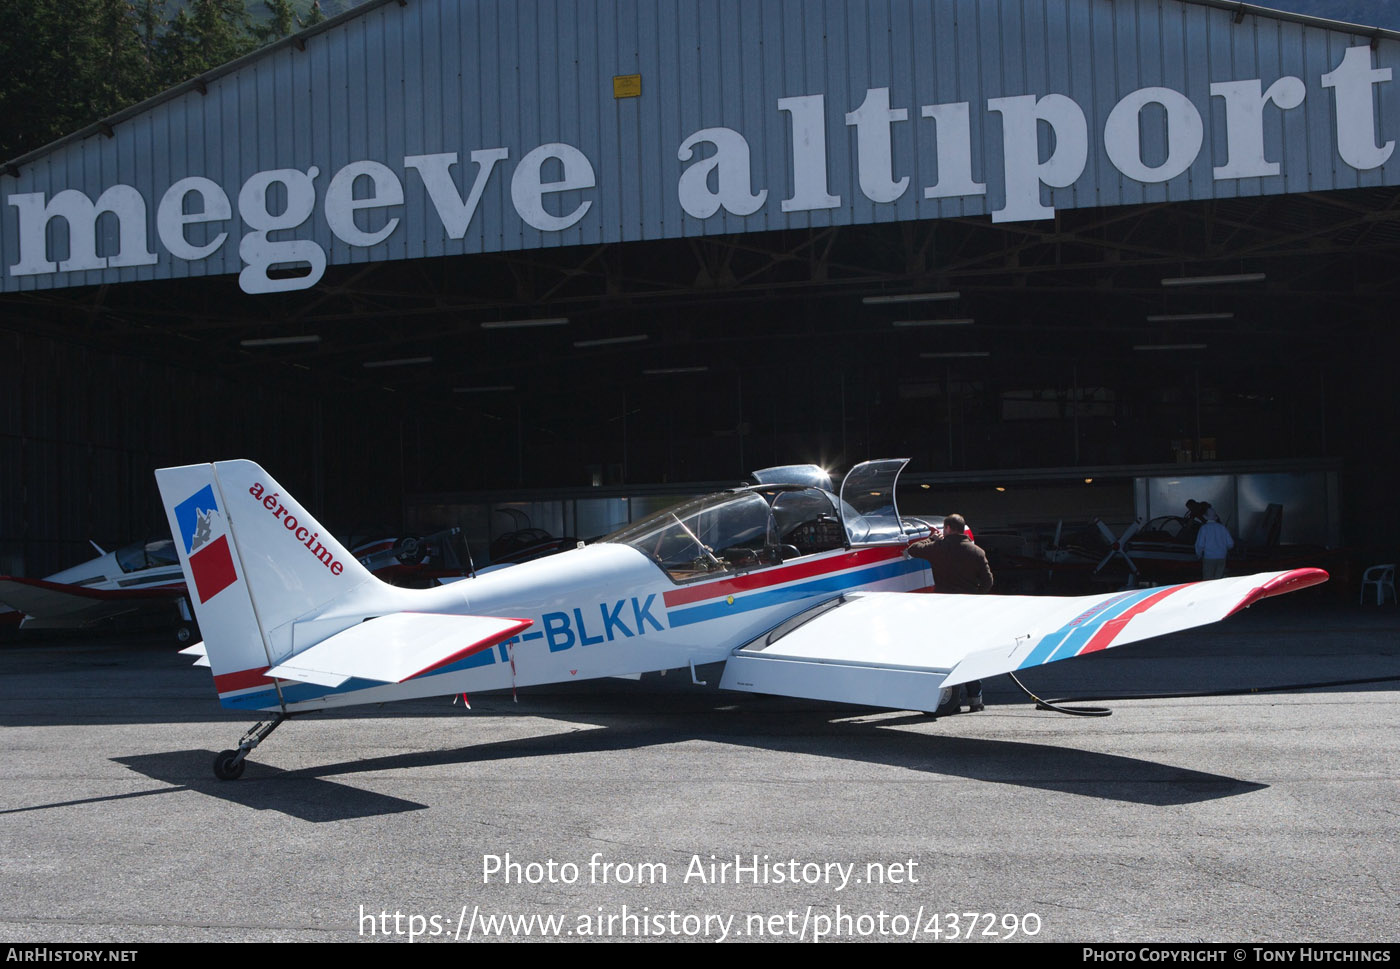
(1071, 711)
(1104, 711)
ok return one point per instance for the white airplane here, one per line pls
(798, 591)
(146, 577)
(136, 577)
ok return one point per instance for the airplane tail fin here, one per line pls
(262, 574)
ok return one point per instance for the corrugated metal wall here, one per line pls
(443, 76)
(82, 428)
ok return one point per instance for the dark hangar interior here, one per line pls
(1084, 345)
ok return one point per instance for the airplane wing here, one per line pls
(56, 605)
(897, 649)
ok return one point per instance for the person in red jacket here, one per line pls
(961, 568)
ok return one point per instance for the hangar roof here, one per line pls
(299, 40)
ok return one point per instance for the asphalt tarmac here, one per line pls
(657, 809)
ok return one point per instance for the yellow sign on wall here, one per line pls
(627, 85)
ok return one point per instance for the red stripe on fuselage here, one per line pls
(373, 548)
(1109, 631)
(770, 577)
(242, 680)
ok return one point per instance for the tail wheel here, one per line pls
(228, 766)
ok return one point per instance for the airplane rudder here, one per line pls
(208, 556)
(274, 528)
(237, 527)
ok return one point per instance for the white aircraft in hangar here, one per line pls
(798, 591)
(144, 576)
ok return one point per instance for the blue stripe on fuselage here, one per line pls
(294, 692)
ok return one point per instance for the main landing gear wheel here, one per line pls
(947, 702)
(228, 765)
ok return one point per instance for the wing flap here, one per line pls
(874, 686)
(895, 649)
(395, 648)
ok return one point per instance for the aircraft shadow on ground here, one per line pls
(759, 723)
(306, 798)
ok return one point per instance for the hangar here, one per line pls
(432, 247)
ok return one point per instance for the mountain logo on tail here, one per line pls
(205, 534)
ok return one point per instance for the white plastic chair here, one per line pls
(1383, 578)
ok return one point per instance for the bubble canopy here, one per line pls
(735, 531)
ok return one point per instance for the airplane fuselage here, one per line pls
(603, 610)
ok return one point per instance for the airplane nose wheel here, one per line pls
(229, 764)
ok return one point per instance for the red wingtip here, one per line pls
(1290, 581)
